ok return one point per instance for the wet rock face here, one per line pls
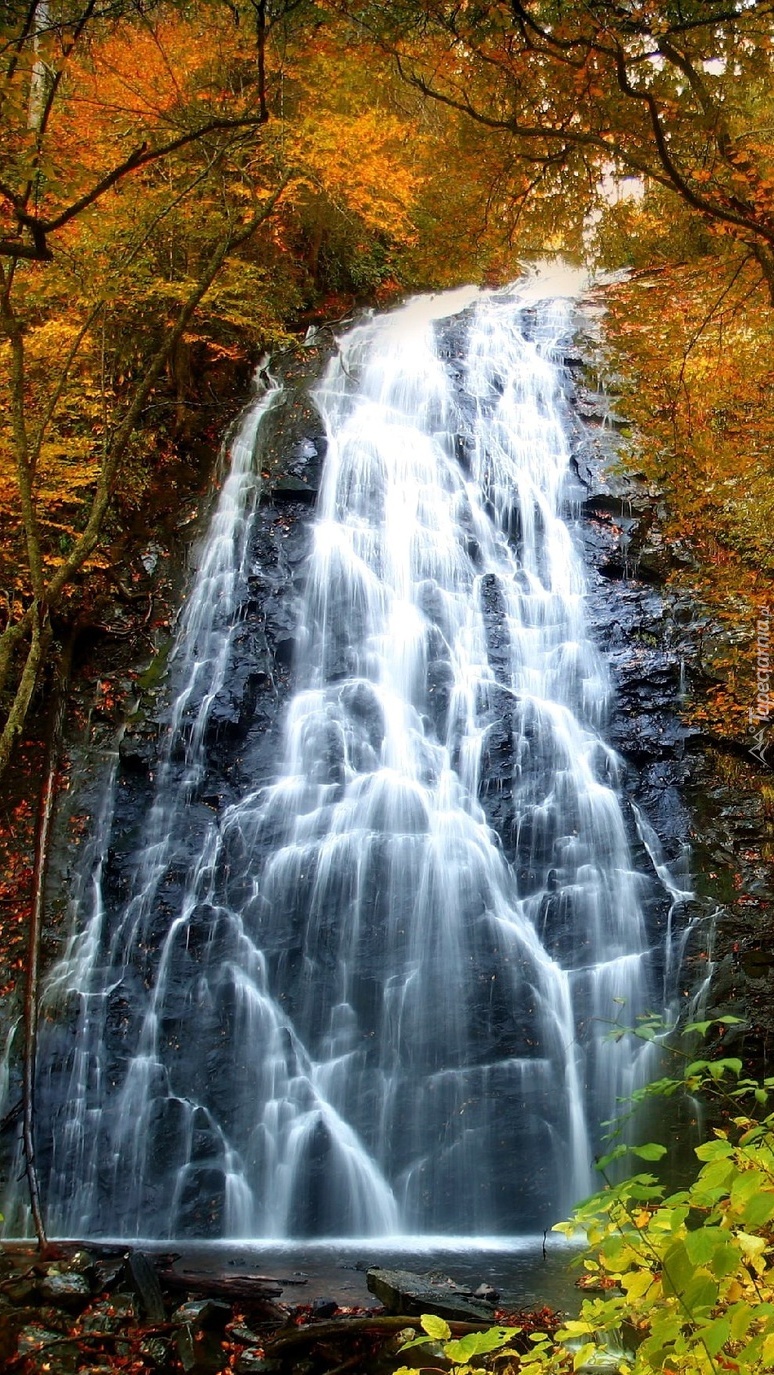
(242, 746)
(642, 639)
(632, 618)
(732, 950)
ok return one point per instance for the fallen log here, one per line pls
(255, 1287)
(347, 1327)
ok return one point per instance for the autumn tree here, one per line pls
(168, 169)
(105, 109)
(676, 94)
(180, 180)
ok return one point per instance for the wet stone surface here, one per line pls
(402, 1292)
(647, 641)
(241, 746)
(260, 1327)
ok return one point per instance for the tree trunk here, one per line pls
(42, 835)
(765, 260)
(36, 618)
(41, 636)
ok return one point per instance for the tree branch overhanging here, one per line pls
(50, 592)
(647, 149)
(39, 228)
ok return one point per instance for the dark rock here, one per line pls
(203, 1202)
(403, 1292)
(200, 1351)
(46, 1350)
(22, 1290)
(294, 488)
(146, 1282)
(243, 1334)
(156, 1350)
(103, 1317)
(69, 1291)
(250, 1361)
(79, 1263)
(324, 1308)
(11, 1323)
(199, 1313)
(486, 1292)
(138, 752)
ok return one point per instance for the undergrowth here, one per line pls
(683, 1279)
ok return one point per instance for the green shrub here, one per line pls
(684, 1279)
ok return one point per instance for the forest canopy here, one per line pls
(186, 183)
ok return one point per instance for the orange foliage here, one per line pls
(695, 345)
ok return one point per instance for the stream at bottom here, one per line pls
(529, 1272)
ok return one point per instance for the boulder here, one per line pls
(403, 1292)
(71, 1291)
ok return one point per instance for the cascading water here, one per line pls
(377, 1003)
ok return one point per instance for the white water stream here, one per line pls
(380, 1006)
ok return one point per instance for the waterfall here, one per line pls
(372, 997)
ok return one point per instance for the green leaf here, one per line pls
(418, 1341)
(750, 1353)
(637, 1283)
(604, 1160)
(741, 1315)
(731, 1063)
(435, 1327)
(759, 1209)
(715, 1335)
(679, 1269)
(752, 1197)
(575, 1327)
(713, 1181)
(702, 1244)
(664, 1329)
(584, 1355)
(712, 1150)
(643, 1189)
(712, 1247)
(701, 1295)
(650, 1151)
(479, 1343)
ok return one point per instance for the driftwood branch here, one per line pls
(257, 1288)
